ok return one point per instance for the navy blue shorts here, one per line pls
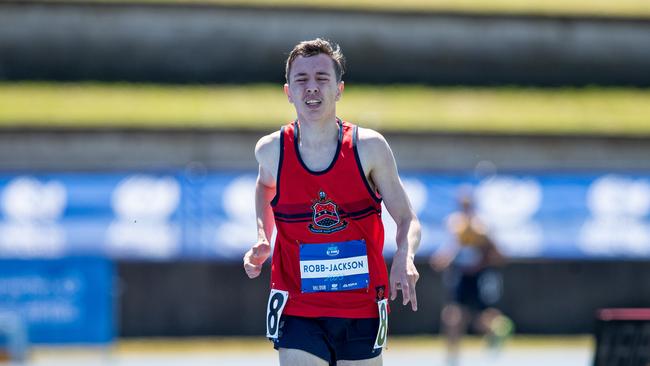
(331, 339)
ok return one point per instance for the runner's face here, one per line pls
(312, 87)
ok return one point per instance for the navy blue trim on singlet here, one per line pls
(355, 139)
(307, 216)
(293, 221)
(373, 212)
(362, 212)
(336, 155)
(294, 216)
(275, 199)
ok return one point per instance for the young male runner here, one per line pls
(321, 183)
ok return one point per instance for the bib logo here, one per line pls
(325, 218)
(333, 251)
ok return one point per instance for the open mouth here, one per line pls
(313, 102)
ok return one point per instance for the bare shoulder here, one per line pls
(373, 146)
(268, 146)
(267, 152)
(371, 137)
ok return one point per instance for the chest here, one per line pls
(317, 158)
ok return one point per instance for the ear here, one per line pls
(287, 91)
(339, 90)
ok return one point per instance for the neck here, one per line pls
(317, 133)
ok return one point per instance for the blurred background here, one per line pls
(127, 171)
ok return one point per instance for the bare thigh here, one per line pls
(297, 357)
(375, 361)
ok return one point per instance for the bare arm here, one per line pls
(264, 193)
(267, 155)
(379, 164)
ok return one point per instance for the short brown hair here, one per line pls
(316, 47)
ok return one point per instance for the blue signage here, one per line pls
(58, 301)
(183, 215)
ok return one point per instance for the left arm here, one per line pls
(379, 165)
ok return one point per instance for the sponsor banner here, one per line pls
(199, 214)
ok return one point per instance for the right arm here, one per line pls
(267, 152)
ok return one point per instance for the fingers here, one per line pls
(252, 270)
(254, 258)
(406, 293)
(413, 279)
(259, 253)
(397, 286)
(252, 263)
(414, 299)
(406, 284)
(254, 254)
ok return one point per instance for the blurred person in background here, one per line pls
(473, 285)
(321, 183)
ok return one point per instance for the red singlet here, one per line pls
(353, 212)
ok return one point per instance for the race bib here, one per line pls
(334, 266)
(277, 301)
(382, 333)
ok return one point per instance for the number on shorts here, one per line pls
(277, 301)
(382, 333)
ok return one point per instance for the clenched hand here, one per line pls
(255, 257)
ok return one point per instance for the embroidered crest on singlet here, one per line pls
(325, 217)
